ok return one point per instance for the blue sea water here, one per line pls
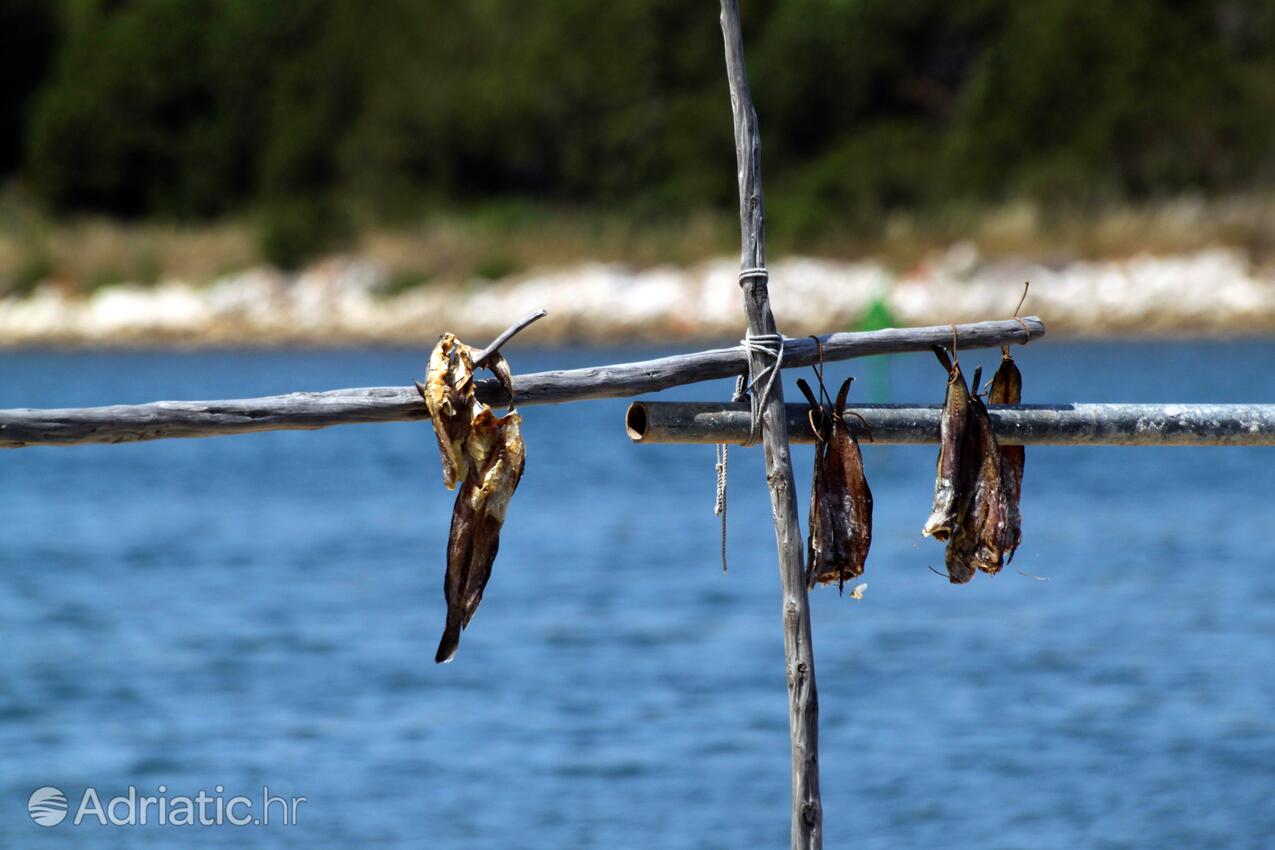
(263, 611)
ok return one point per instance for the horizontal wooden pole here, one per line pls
(130, 423)
(1025, 424)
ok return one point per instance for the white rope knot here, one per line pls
(772, 345)
(749, 274)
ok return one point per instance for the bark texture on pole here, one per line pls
(803, 703)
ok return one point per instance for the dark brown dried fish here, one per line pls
(496, 456)
(979, 481)
(989, 510)
(840, 501)
(1007, 388)
(959, 555)
(820, 522)
(449, 394)
(953, 421)
(963, 536)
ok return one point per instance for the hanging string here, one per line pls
(719, 507)
(818, 369)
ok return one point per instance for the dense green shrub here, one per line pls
(195, 108)
(144, 113)
(292, 231)
(1132, 98)
(28, 38)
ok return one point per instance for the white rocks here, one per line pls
(340, 301)
(131, 311)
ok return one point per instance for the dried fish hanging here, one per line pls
(950, 519)
(487, 454)
(1007, 388)
(952, 424)
(497, 456)
(998, 485)
(978, 484)
(840, 521)
(990, 508)
(449, 394)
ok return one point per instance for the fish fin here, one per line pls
(816, 415)
(841, 396)
(807, 392)
(941, 353)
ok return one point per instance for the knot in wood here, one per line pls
(810, 812)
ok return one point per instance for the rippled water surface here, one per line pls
(263, 610)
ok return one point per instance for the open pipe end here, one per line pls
(636, 421)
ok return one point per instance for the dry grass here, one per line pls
(1030, 231)
(463, 248)
(91, 253)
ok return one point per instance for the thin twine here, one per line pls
(1027, 334)
(719, 507)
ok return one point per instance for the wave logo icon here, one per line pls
(47, 806)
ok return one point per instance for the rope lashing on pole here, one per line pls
(746, 390)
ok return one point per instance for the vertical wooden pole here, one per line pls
(803, 707)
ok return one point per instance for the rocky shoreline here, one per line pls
(345, 301)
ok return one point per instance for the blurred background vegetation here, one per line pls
(286, 128)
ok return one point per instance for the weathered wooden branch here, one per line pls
(803, 703)
(130, 423)
(1026, 424)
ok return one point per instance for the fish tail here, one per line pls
(451, 641)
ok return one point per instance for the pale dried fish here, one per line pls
(449, 394)
(953, 422)
(497, 456)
